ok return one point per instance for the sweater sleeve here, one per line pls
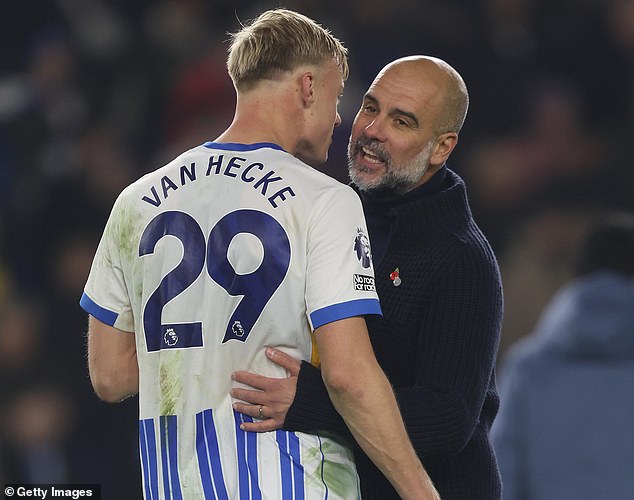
(312, 409)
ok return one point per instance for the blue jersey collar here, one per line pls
(234, 146)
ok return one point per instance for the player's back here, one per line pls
(223, 251)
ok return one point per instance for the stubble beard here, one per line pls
(396, 179)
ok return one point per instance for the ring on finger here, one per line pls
(260, 413)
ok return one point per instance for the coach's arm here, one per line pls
(363, 396)
(112, 361)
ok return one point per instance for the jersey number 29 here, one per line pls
(256, 288)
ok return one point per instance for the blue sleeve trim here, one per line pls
(103, 315)
(345, 310)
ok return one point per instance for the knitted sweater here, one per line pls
(437, 343)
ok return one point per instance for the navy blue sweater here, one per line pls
(437, 340)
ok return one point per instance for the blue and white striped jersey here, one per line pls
(223, 251)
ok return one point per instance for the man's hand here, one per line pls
(270, 398)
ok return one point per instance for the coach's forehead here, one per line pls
(416, 84)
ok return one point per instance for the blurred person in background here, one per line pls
(565, 424)
(36, 434)
(48, 413)
(536, 263)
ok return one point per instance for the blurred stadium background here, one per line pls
(94, 93)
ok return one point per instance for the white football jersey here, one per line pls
(225, 250)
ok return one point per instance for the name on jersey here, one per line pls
(261, 178)
(364, 283)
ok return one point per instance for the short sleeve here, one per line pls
(339, 276)
(105, 294)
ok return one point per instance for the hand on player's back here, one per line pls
(270, 397)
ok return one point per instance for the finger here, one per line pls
(266, 425)
(247, 395)
(291, 364)
(247, 409)
(261, 426)
(253, 379)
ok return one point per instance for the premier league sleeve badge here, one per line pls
(362, 248)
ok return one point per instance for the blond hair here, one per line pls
(280, 40)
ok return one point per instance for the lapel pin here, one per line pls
(394, 276)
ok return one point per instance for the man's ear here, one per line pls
(444, 145)
(307, 90)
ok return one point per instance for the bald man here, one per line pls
(438, 282)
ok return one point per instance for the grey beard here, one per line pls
(397, 180)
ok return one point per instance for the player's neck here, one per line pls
(264, 117)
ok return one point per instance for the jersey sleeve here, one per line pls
(339, 275)
(105, 294)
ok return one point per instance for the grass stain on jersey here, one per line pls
(170, 382)
(340, 478)
(128, 230)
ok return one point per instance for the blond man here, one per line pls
(234, 245)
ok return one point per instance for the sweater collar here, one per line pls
(384, 203)
(448, 205)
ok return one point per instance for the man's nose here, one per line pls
(375, 129)
(337, 119)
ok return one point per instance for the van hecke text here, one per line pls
(261, 178)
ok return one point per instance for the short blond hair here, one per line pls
(280, 40)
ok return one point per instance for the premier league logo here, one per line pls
(362, 248)
(170, 337)
(237, 329)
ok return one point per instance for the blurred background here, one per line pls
(95, 93)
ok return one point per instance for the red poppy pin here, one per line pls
(395, 277)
